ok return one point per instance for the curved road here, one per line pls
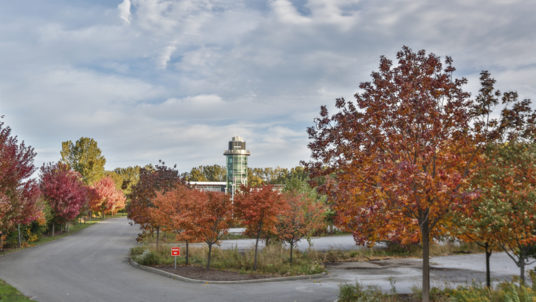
(91, 266)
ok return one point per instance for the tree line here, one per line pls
(256, 176)
(162, 200)
(75, 187)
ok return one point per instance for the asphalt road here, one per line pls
(91, 266)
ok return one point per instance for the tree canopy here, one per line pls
(84, 156)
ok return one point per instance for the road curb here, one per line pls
(185, 279)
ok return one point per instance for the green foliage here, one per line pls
(129, 177)
(207, 173)
(358, 293)
(84, 156)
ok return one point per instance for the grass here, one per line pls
(11, 294)
(272, 260)
(393, 251)
(506, 291)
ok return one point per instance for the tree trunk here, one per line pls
(256, 248)
(488, 272)
(522, 269)
(53, 226)
(187, 256)
(18, 231)
(209, 252)
(157, 236)
(425, 232)
(291, 247)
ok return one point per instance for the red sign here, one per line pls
(175, 251)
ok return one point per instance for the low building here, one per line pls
(210, 186)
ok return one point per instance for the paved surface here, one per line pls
(91, 266)
(345, 242)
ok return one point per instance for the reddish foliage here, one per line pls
(258, 209)
(302, 218)
(177, 210)
(151, 181)
(213, 218)
(401, 154)
(64, 191)
(18, 193)
(105, 197)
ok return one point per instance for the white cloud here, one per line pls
(185, 76)
(124, 10)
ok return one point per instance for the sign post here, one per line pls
(175, 251)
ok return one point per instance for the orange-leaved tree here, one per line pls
(257, 209)
(505, 212)
(176, 211)
(159, 178)
(213, 217)
(397, 159)
(302, 218)
(482, 219)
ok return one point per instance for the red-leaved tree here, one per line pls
(152, 180)
(64, 191)
(177, 211)
(258, 209)
(397, 159)
(213, 218)
(18, 193)
(302, 217)
(106, 198)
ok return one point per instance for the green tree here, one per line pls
(130, 177)
(207, 173)
(84, 156)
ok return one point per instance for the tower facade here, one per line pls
(237, 164)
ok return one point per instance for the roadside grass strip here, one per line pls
(11, 294)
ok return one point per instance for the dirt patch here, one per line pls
(200, 273)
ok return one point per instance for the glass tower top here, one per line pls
(237, 164)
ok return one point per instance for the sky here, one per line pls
(176, 79)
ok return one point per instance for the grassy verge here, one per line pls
(11, 294)
(272, 260)
(73, 228)
(506, 291)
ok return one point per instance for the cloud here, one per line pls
(124, 11)
(175, 80)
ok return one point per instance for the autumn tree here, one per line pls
(84, 156)
(213, 218)
(301, 218)
(107, 198)
(258, 209)
(18, 192)
(177, 210)
(159, 178)
(508, 203)
(478, 220)
(399, 157)
(64, 191)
